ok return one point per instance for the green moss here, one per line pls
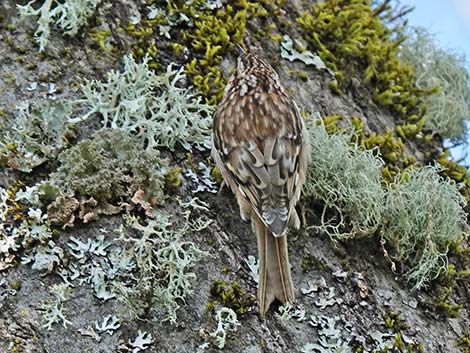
(444, 305)
(172, 178)
(217, 175)
(211, 305)
(458, 271)
(232, 296)
(350, 37)
(464, 343)
(300, 74)
(456, 172)
(144, 43)
(312, 263)
(101, 39)
(334, 86)
(393, 320)
(398, 327)
(208, 32)
(16, 285)
(213, 35)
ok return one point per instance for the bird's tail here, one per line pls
(275, 280)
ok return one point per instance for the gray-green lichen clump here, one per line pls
(36, 134)
(152, 107)
(424, 215)
(107, 169)
(448, 110)
(69, 16)
(346, 178)
(419, 215)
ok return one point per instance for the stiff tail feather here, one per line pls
(275, 280)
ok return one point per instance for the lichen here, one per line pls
(39, 131)
(103, 172)
(448, 109)
(227, 323)
(54, 309)
(159, 248)
(151, 107)
(68, 15)
(424, 214)
(347, 179)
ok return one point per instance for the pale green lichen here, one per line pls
(290, 52)
(158, 248)
(418, 215)
(107, 169)
(424, 214)
(141, 342)
(347, 179)
(227, 323)
(39, 131)
(32, 234)
(55, 308)
(152, 107)
(68, 15)
(3, 209)
(448, 110)
(331, 339)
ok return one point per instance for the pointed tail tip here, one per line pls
(275, 281)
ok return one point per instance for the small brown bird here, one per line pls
(261, 148)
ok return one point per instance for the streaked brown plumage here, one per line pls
(261, 147)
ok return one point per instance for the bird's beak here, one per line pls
(239, 49)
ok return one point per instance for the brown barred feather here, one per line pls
(261, 147)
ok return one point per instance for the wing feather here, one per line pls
(264, 154)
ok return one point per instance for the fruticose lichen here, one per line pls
(346, 178)
(418, 215)
(103, 173)
(68, 15)
(39, 131)
(151, 107)
(424, 214)
(159, 248)
(448, 110)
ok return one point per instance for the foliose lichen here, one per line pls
(38, 132)
(68, 15)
